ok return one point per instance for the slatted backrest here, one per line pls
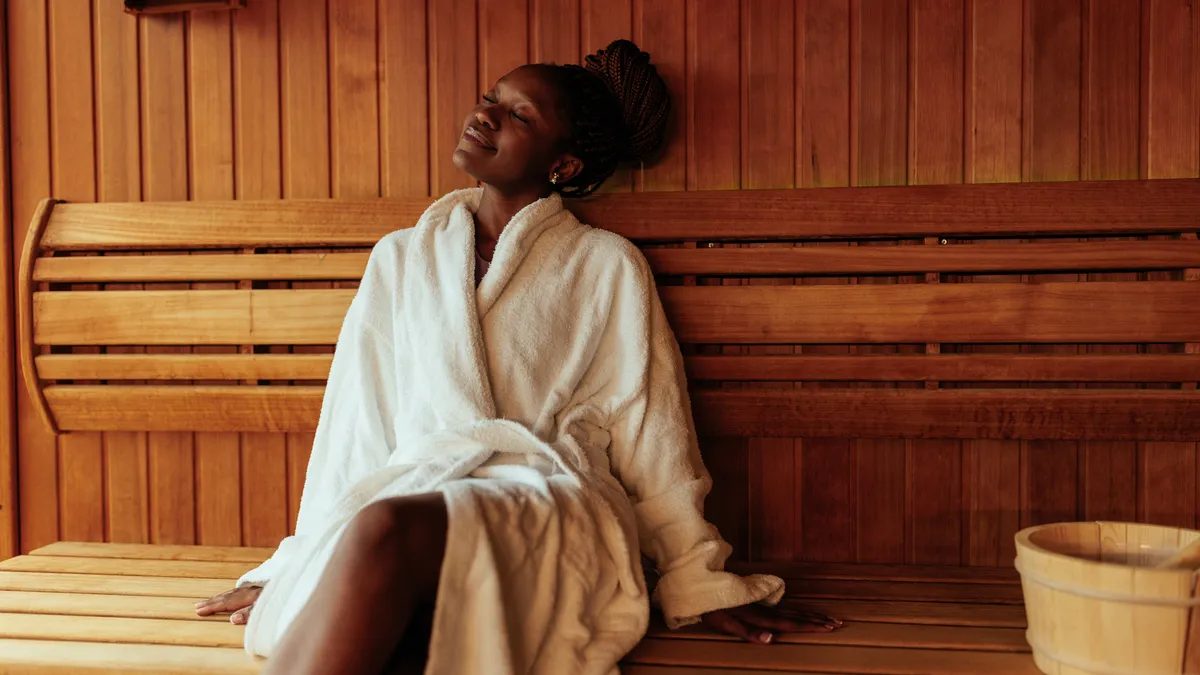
(749, 269)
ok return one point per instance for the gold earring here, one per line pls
(554, 178)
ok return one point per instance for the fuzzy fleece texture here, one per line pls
(549, 406)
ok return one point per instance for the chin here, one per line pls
(463, 161)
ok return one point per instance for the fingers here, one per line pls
(726, 622)
(241, 616)
(228, 601)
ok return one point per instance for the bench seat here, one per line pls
(119, 608)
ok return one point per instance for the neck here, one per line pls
(496, 210)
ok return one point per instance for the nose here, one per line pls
(486, 118)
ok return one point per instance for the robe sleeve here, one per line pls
(655, 455)
(354, 435)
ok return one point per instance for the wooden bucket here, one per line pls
(1097, 606)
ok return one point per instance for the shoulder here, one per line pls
(613, 252)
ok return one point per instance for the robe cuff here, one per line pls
(684, 596)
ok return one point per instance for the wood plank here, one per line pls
(120, 630)
(1007, 413)
(1002, 313)
(714, 121)
(660, 28)
(29, 120)
(72, 131)
(920, 613)
(354, 99)
(827, 511)
(881, 101)
(257, 114)
(238, 554)
(453, 87)
(1106, 255)
(1102, 207)
(113, 585)
(992, 496)
(821, 658)
(874, 572)
(1051, 312)
(404, 96)
(871, 635)
(126, 567)
(880, 530)
(883, 367)
(134, 607)
(264, 499)
(50, 658)
(554, 31)
(9, 543)
(119, 177)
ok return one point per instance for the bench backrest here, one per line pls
(220, 316)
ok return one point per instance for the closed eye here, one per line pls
(489, 99)
(519, 118)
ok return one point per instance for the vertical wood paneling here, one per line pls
(404, 118)
(210, 101)
(1110, 117)
(554, 31)
(1170, 148)
(258, 168)
(1051, 152)
(993, 145)
(119, 178)
(354, 97)
(74, 178)
(503, 38)
(165, 178)
(825, 469)
(768, 161)
(9, 544)
(452, 87)
(880, 93)
(714, 118)
(935, 157)
(29, 117)
(660, 29)
(305, 146)
(601, 22)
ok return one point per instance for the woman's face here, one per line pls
(513, 138)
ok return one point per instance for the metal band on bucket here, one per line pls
(1102, 595)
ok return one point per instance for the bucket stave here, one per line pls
(1096, 604)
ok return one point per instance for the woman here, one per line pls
(506, 424)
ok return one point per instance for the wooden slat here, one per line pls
(877, 368)
(1051, 312)
(931, 613)
(1112, 255)
(1056, 414)
(246, 408)
(121, 630)
(915, 313)
(966, 413)
(145, 607)
(874, 572)
(238, 554)
(1108, 255)
(940, 367)
(51, 657)
(9, 544)
(1102, 207)
(218, 267)
(167, 569)
(191, 317)
(112, 585)
(864, 634)
(827, 659)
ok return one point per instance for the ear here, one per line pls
(567, 167)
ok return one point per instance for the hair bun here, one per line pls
(641, 93)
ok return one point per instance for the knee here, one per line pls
(401, 527)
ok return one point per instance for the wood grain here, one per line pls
(50, 657)
(453, 88)
(119, 178)
(403, 98)
(354, 98)
(9, 544)
(29, 116)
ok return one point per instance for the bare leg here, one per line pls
(384, 569)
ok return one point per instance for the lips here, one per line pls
(477, 137)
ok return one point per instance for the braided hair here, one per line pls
(617, 107)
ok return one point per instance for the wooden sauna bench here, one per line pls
(96, 607)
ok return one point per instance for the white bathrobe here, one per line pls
(549, 407)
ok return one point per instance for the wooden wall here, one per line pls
(8, 405)
(364, 98)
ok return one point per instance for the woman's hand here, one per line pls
(758, 623)
(239, 601)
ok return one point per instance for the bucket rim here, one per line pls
(1023, 540)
